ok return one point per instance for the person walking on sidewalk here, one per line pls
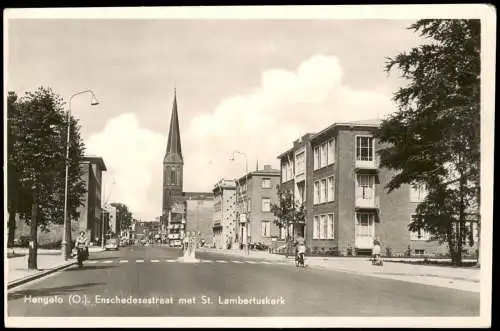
(376, 251)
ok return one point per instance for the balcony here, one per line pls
(372, 165)
(368, 203)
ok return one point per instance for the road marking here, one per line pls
(221, 261)
(92, 262)
(109, 261)
(139, 261)
(265, 262)
(251, 262)
(123, 261)
(170, 261)
(155, 261)
(206, 261)
(236, 261)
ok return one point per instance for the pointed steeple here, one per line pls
(174, 151)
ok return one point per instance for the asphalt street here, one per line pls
(212, 287)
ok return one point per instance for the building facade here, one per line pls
(224, 214)
(337, 175)
(91, 218)
(255, 193)
(199, 211)
(174, 203)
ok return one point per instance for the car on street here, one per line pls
(112, 244)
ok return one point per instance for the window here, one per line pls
(316, 192)
(316, 227)
(417, 193)
(364, 148)
(299, 163)
(324, 155)
(266, 204)
(330, 230)
(420, 234)
(284, 174)
(266, 182)
(331, 151)
(317, 158)
(331, 188)
(282, 232)
(366, 186)
(324, 190)
(266, 228)
(419, 251)
(173, 180)
(322, 227)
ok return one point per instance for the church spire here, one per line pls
(174, 151)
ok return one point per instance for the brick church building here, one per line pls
(182, 211)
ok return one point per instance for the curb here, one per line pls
(35, 276)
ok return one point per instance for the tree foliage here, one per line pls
(288, 211)
(434, 140)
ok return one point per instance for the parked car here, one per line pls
(112, 244)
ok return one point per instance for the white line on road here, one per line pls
(221, 261)
(109, 261)
(206, 261)
(92, 262)
(139, 261)
(155, 261)
(123, 261)
(265, 262)
(170, 261)
(236, 261)
(251, 262)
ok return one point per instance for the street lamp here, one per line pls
(245, 237)
(67, 227)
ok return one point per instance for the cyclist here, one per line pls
(81, 246)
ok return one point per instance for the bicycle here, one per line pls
(299, 260)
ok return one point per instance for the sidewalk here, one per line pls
(466, 279)
(48, 261)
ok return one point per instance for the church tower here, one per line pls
(173, 163)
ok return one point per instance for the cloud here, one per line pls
(262, 123)
(265, 122)
(133, 157)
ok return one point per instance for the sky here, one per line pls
(249, 85)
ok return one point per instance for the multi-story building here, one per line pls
(336, 174)
(199, 211)
(224, 207)
(255, 193)
(90, 213)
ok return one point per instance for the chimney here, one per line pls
(267, 167)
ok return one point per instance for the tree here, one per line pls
(17, 200)
(37, 161)
(123, 215)
(288, 212)
(434, 140)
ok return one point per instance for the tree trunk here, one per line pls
(12, 228)
(33, 244)
(451, 243)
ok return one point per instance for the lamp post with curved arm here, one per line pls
(65, 247)
(245, 206)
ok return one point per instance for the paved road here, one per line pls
(154, 272)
